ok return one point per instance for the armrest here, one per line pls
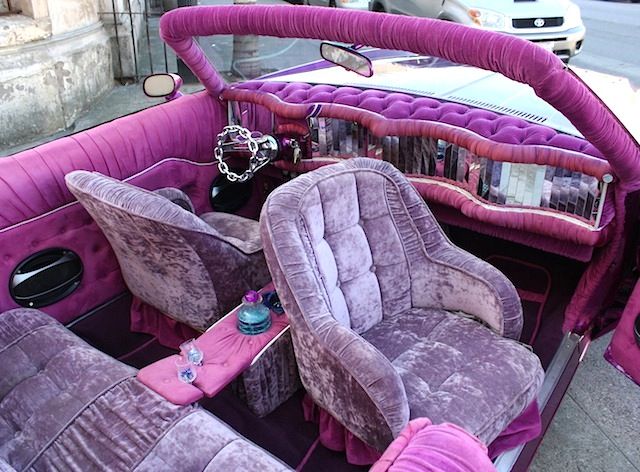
(462, 282)
(355, 377)
(455, 280)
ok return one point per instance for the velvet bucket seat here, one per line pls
(192, 268)
(389, 320)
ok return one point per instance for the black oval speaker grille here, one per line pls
(45, 277)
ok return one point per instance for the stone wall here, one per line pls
(128, 19)
(55, 61)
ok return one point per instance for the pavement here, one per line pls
(596, 427)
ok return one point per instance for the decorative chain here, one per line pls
(255, 162)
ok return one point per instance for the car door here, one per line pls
(54, 257)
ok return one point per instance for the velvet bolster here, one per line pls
(437, 448)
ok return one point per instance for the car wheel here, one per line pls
(378, 8)
(332, 3)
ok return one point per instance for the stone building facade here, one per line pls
(55, 61)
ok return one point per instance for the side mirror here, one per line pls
(346, 57)
(162, 85)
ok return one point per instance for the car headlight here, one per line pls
(572, 17)
(487, 18)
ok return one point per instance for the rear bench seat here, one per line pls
(67, 406)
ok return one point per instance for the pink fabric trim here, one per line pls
(121, 148)
(523, 429)
(525, 220)
(336, 437)
(162, 378)
(227, 352)
(422, 446)
(169, 332)
(623, 351)
(513, 57)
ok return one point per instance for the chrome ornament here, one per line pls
(236, 139)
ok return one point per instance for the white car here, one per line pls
(554, 24)
(350, 4)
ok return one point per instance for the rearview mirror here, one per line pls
(346, 57)
(162, 85)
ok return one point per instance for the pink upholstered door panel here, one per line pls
(167, 145)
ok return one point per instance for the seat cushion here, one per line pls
(67, 406)
(456, 370)
(243, 233)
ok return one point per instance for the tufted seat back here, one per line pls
(360, 256)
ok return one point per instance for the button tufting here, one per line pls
(372, 268)
(400, 105)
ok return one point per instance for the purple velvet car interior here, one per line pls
(607, 145)
(172, 146)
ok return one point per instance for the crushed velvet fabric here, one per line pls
(66, 406)
(4, 467)
(424, 446)
(272, 380)
(239, 231)
(177, 196)
(455, 370)
(355, 253)
(201, 442)
(170, 258)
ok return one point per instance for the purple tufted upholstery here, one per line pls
(170, 258)
(378, 300)
(494, 126)
(66, 406)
